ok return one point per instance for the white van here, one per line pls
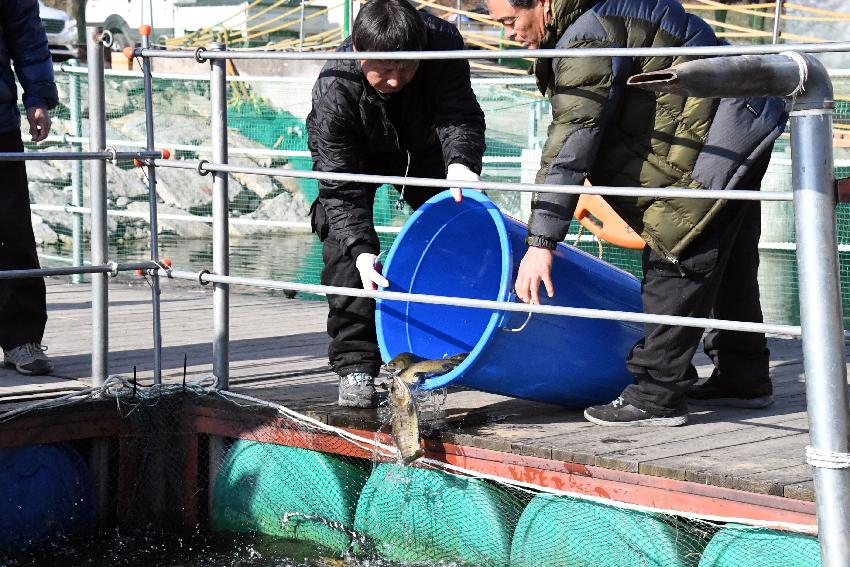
(176, 18)
(124, 17)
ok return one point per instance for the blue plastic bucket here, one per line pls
(472, 250)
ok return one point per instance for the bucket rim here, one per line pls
(497, 318)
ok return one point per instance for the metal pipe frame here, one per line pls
(205, 278)
(99, 236)
(201, 54)
(204, 167)
(152, 221)
(221, 231)
(777, 21)
(78, 156)
(111, 269)
(824, 360)
(99, 251)
(77, 225)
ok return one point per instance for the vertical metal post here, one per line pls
(820, 309)
(301, 29)
(457, 14)
(154, 227)
(99, 251)
(76, 172)
(221, 233)
(777, 18)
(99, 238)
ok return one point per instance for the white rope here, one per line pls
(826, 459)
(803, 66)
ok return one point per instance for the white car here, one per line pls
(61, 31)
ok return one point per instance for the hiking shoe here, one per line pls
(28, 359)
(357, 390)
(710, 395)
(620, 413)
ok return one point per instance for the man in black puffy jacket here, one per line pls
(23, 309)
(403, 118)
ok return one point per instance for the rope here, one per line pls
(804, 72)
(826, 459)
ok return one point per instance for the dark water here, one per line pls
(162, 549)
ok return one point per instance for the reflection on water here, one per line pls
(163, 549)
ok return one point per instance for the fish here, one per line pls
(400, 362)
(419, 371)
(404, 421)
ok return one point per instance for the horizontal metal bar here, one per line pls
(735, 195)
(508, 80)
(205, 277)
(77, 156)
(98, 269)
(709, 51)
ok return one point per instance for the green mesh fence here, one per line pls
(192, 461)
(266, 128)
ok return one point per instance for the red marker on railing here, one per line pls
(129, 52)
(144, 30)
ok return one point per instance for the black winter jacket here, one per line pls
(354, 129)
(24, 42)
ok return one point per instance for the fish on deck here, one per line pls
(413, 369)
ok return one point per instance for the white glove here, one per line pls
(459, 172)
(369, 268)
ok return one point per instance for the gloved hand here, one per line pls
(370, 271)
(459, 172)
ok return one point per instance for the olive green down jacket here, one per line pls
(616, 135)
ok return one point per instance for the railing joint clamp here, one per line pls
(113, 269)
(199, 57)
(201, 275)
(201, 171)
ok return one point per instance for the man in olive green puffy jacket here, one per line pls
(702, 256)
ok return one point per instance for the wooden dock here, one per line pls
(724, 462)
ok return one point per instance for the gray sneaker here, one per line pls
(28, 359)
(357, 390)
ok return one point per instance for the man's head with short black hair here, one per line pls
(389, 25)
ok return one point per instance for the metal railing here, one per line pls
(798, 77)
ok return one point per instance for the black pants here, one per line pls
(23, 307)
(351, 320)
(720, 281)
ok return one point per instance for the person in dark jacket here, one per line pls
(701, 257)
(402, 118)
(23, 309)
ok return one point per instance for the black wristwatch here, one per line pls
(541, 242)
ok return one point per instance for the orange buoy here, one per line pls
(137, 162)
(144, 29)
(166, 153)
(129, 52)
(166, 262)
(612, 229)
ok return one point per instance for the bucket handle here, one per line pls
(525, 323)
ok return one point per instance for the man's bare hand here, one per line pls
(536, 267)
(39, 123)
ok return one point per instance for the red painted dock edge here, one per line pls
(671, 496)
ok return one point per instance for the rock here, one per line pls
(284, 207)
(182, 228)
(44, 172)
(42, 231)
(185, 190)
